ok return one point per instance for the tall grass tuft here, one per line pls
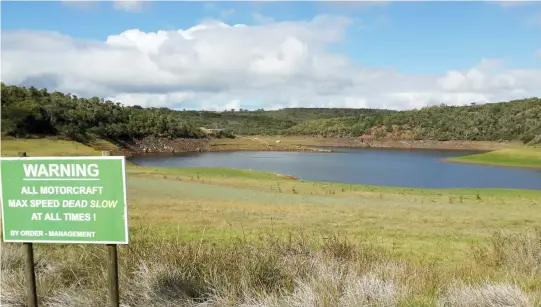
(520, 252)
(485, 295)
(370, 290)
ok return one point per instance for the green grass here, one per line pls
(52, 147)
(520, 156)
(214, 172)
(240, 232)
(417, 227)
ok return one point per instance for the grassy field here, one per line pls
(52, 147)
(520, 156)
(225, 237)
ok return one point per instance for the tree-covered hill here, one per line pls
(32, 111)
(514, 120)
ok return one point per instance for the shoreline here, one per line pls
(333, 145)
(293, 144)
(511, 152)
(131, 154)
(452, 160)
(328, 149)
(55, 147)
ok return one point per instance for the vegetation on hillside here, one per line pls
(514, 120)
(31, 111)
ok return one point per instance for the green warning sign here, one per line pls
(64, 199)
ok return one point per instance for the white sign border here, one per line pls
(126, 230)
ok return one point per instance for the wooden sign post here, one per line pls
(29, 268)
(114, 300)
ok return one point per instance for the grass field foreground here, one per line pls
(225, 237)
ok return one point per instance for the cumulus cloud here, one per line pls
(217, 66)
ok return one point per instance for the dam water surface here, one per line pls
(382, 167)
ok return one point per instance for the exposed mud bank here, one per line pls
(157, 146)
(413, 144)
(150, 145)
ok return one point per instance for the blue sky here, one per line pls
(387, 54)
(419, 37)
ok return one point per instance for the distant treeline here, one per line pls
(504, 121)
(30, 111)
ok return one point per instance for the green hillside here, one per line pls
(514, 120)
(32, 111)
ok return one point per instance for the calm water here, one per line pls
(402, 168)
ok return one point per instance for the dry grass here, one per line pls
(52, 147)
(268, 272)
(517, 252)
(485, 295)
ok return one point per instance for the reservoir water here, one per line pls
(382, 167)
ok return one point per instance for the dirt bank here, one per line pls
(158, 146)
(416, 144)
(152, 146)
(293, 142)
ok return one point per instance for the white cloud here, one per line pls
(538, 53)
(128, 6)
(218, 66)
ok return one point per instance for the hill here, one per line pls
(504, 121)
(32, 111)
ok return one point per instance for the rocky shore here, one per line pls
(151, 145)
(158, 146)
(415, 144)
